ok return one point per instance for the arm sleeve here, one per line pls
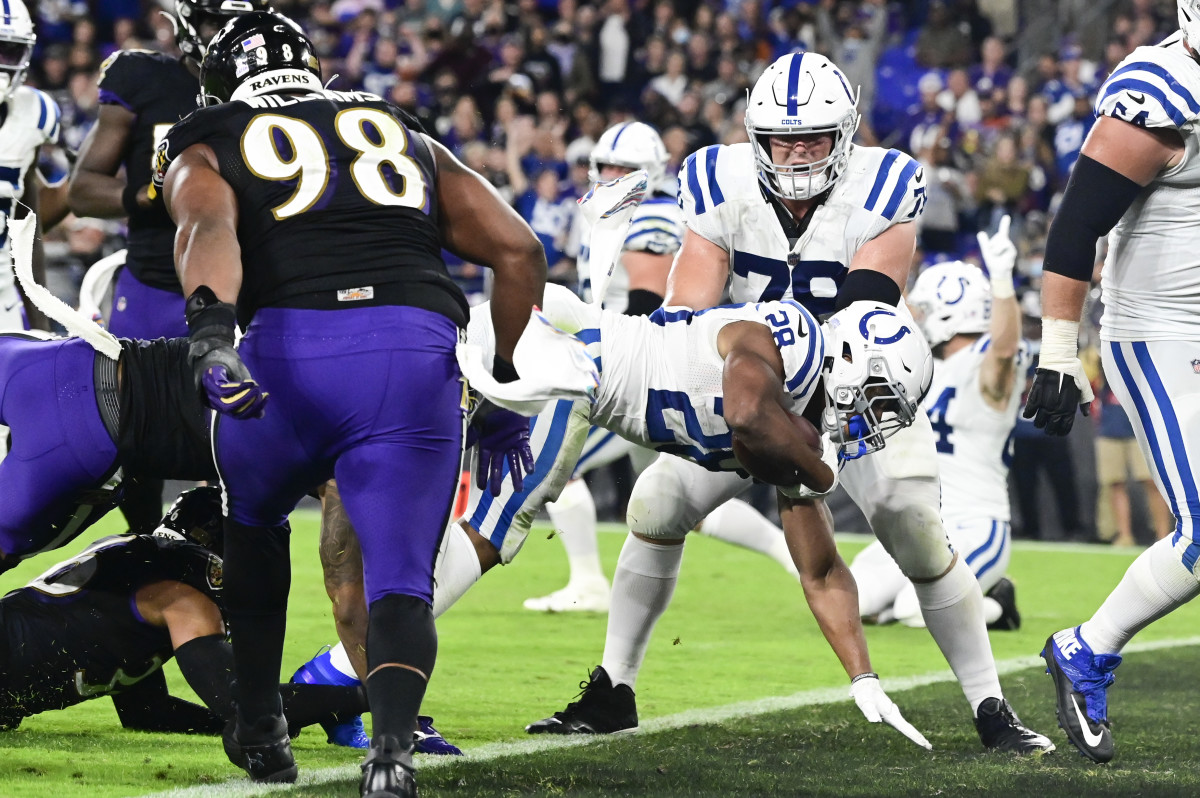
(1095, 199)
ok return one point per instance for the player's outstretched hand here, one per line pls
(502, 437)
(876, 706)
(1055, 396)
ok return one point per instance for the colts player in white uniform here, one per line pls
(29, 118)
(975, 330)
(686, 386)
(801, 213)
(1137, 181)
(636, 288)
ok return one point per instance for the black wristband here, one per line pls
(865, 675)
(867, 285)
(1095, 199)
(642, 302)
(503, 371)
(129, 199)
(208, 317)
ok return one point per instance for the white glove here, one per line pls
(1000, 257)
(876, 706)
(829, 456)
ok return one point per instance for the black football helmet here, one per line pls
(257, 53)
(192, 17)
(197, 517)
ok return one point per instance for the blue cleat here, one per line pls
(430, 741)
(1081, 681)
(320, 670)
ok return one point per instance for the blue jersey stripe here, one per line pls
(663, 317)
(814, 332)
(979, 552)
(10, 174)
(1158, 71)
(793, 89)
(1163, 401)
(710, 166)
(885, 168)
(674, 223)
(589, 336)
(592, 450)
(906, 176)
(45, 110)
(1148, 425)
(653, 231)
(693, 180)
(1125, 84)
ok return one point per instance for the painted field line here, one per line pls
(236, 788)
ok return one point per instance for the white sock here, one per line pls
(953, 610)
(740, 524)
(991, 610)
(341, 662)
(1155, 584)
(574, 518)
(642, 587)
(457, 568)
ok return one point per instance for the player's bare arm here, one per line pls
(755, 409)
(997, 372)
(205, 210)
(889, 253)
(31, 198)
(185, 611)
(480, 227)
(95, 190)
(698, 275)
(52, 201)
(647, 271)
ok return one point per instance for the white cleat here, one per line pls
(572, 599)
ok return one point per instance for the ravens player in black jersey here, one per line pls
(316, 220)
(143, 93)
(104, 622)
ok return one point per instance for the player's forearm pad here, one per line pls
(868, 285)
(1095, 200)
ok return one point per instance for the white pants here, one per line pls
(1158, 383)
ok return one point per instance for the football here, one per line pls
(762, 470)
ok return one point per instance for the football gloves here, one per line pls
(876, 707)
(1000, 257)
(1060, 385)
(502, 436)
(222, 379)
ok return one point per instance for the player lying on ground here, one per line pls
(104, 622)
(697, 386)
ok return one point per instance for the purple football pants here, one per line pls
(372, 396)
(144, 312)
(60, 448)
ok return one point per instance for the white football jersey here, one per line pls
(660, 383)
(32, 121)
(657, 228)
(1151, 277)
(974, 439)
(723, 202)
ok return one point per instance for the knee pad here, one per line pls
(911, 530)
(673, 495)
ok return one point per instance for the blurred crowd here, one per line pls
(994, 98)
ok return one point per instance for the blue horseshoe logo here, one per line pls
(862, 328)
(962, 290)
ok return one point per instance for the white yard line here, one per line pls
(237, 788)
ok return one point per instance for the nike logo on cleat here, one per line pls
(1090, 737)
(1067, 643)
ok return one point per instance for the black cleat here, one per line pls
(262, 749)
(1005, 594)
(387, 771)
(1081, 682)
(601, 709)
(1000, 730)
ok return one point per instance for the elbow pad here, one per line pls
(642, 302)
(1095, 199)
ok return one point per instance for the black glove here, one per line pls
(1053, 400)
(222, 379)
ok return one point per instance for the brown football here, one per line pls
(760, 469)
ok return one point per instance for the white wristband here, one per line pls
(1002, 285)
(1060, 344)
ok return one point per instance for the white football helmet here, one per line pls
(878, 370)
(634, 145)
(1189, 20)
(16, 46)
(801, 93)
(949, 299)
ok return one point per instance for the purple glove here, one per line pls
(243, 398)
(502, 436)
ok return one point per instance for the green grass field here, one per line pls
(737, 632)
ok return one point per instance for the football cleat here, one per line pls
(592, 598)
(262, 749)
(320, 670)
(1081, 681)
(1001, 730)
(428, 740)
(387, 770)
(602, 708)
(1004, 593)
